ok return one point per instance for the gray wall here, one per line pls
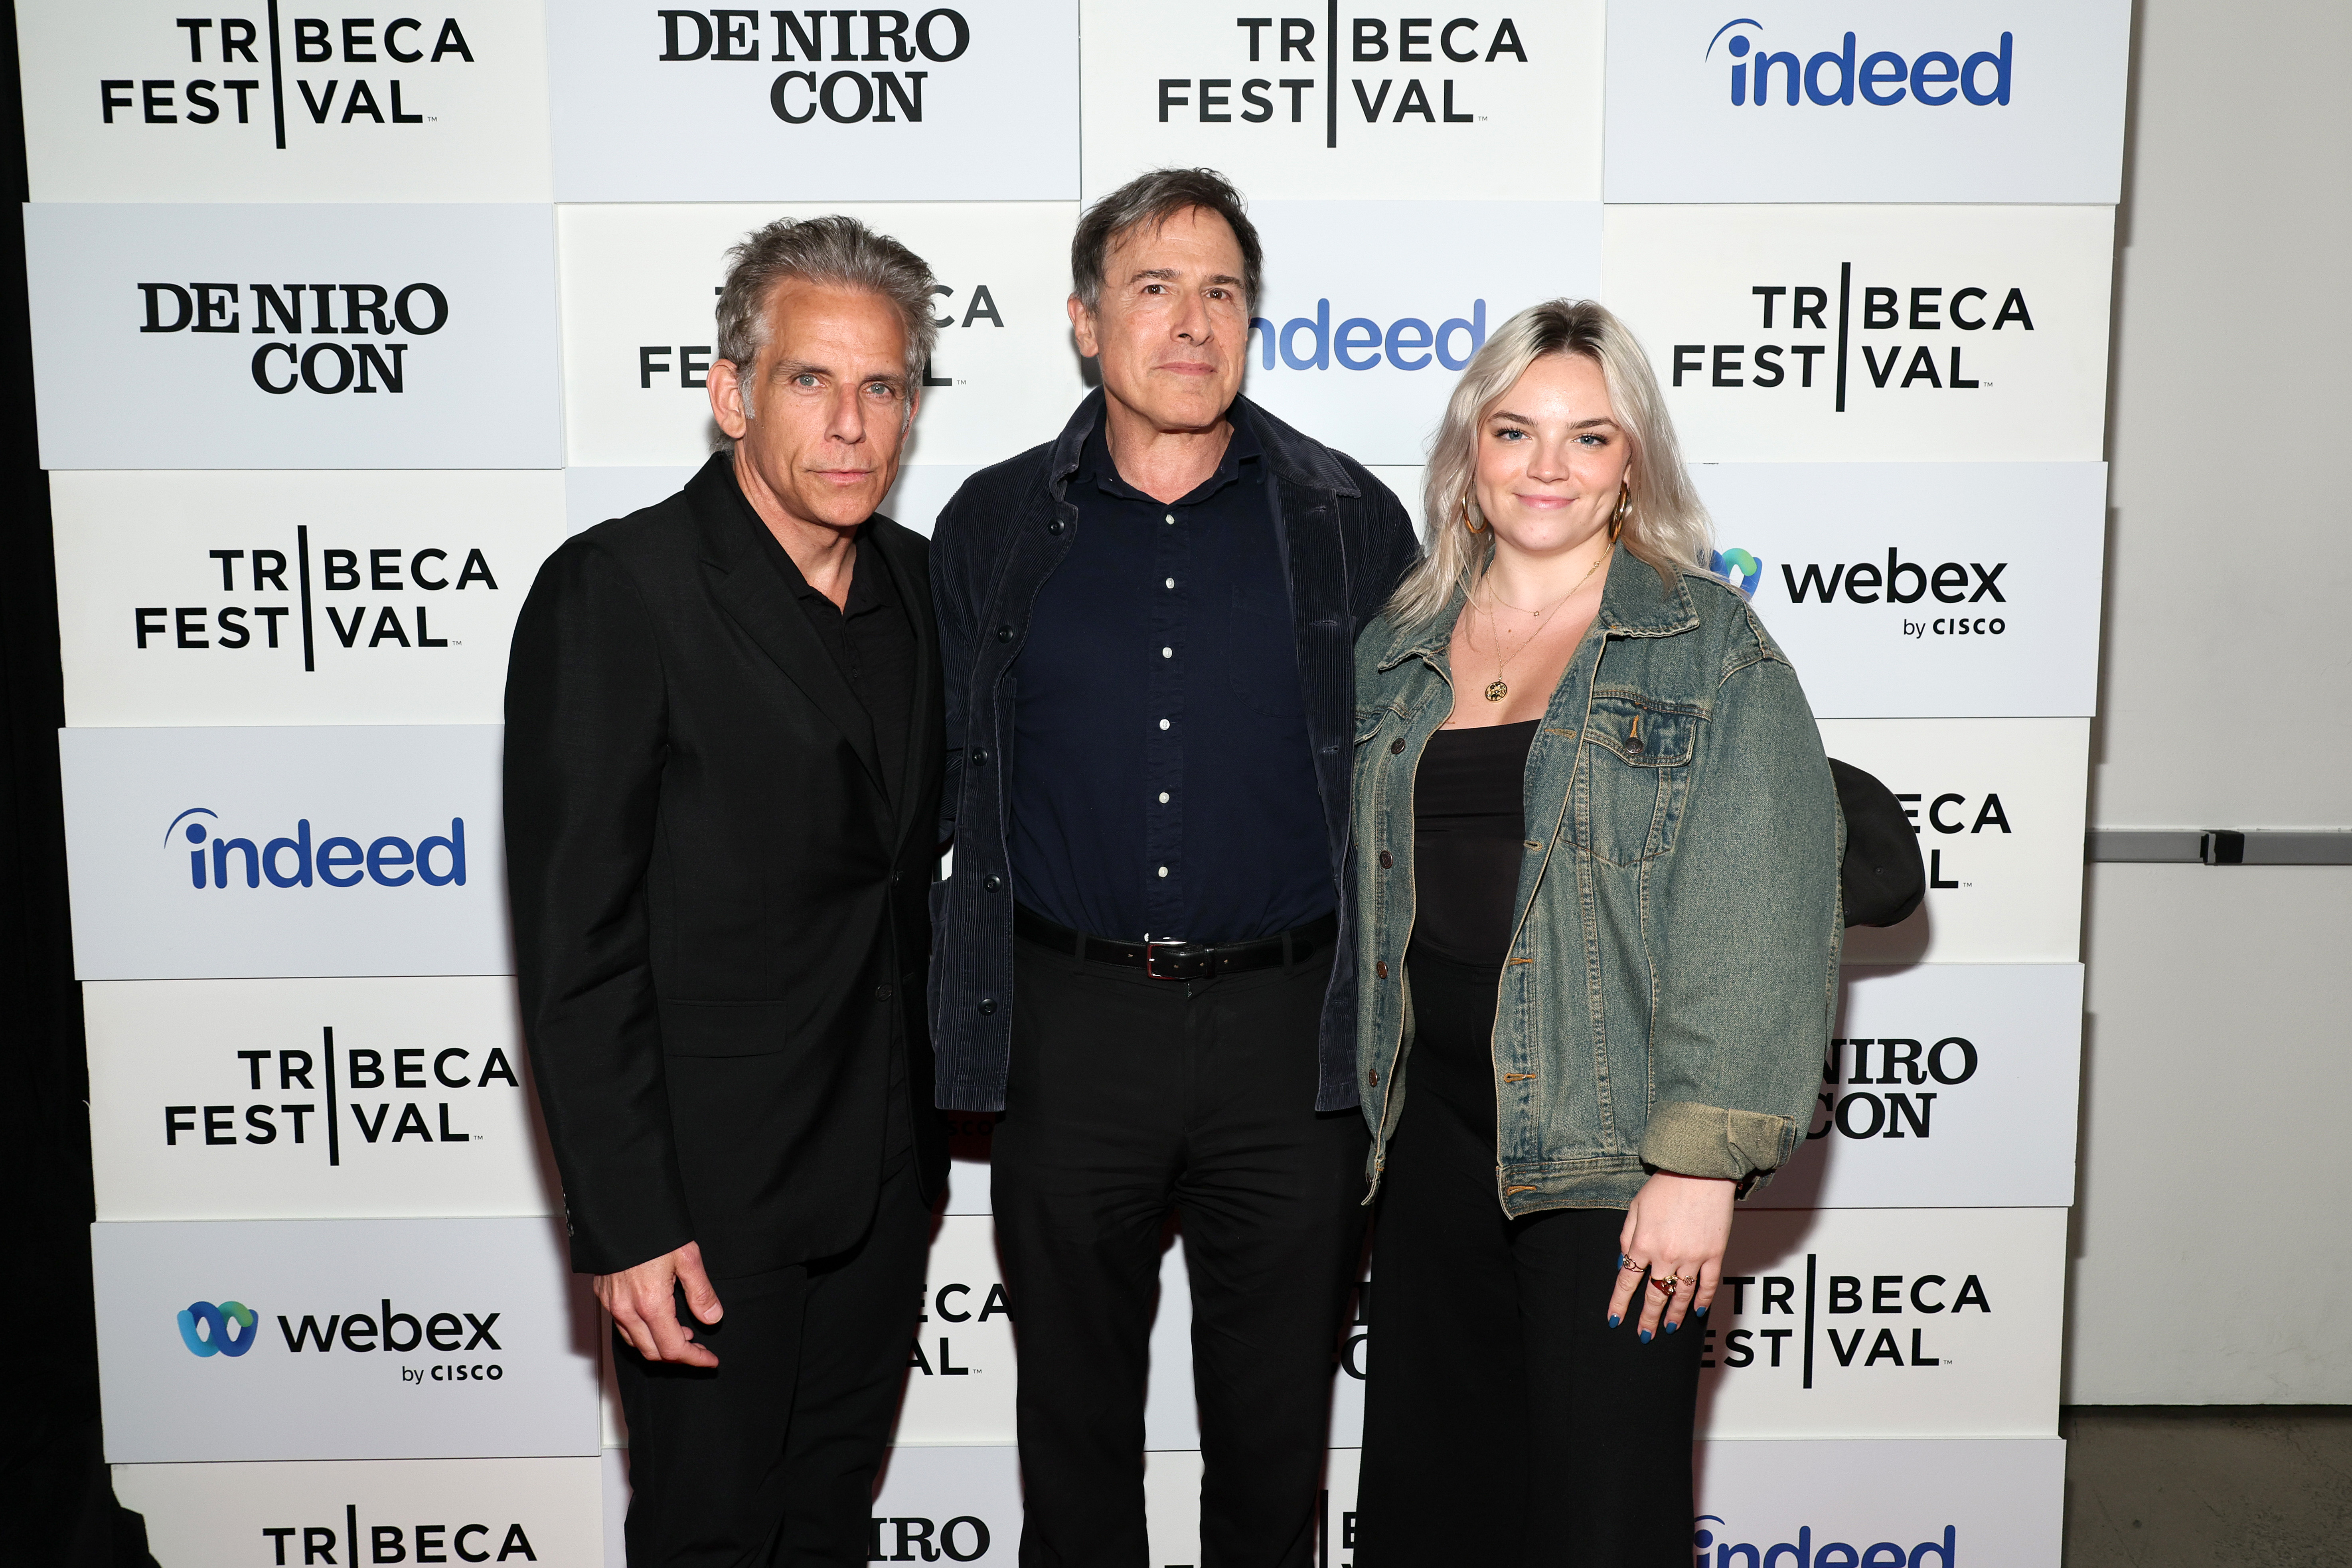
(2211, 1236)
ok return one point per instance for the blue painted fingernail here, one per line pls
(1672, 1327)
(1614, 1320)
(1645, 1336)
(1700, 1311)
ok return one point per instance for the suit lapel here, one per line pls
(908, 570)
(755, 597)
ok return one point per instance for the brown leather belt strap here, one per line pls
(1181, 960)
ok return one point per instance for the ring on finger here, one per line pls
(1627, 1264)
(1665, 1285)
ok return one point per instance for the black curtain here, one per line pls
(56, 1502)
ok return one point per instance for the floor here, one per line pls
(2208, 1486)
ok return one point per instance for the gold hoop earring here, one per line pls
(1624, 505)
(1470, 520)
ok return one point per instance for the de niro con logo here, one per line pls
(210, 1329)
(437, 860)
(1881, 79)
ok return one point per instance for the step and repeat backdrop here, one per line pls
(342, 322)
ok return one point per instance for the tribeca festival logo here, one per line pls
(1800, 312)
(390, 861)
(255, 598)
(278, 311)
(341, 1087)
(1802, 1553)
(851, 96)
(1883, 79)
(1468, 44)
(381, 96)
(1920, 1303)
(399, 1543)
(210, 1329)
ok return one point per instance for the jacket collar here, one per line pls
(1631, 605)
(1294, 457)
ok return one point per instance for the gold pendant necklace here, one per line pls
(1499, 688)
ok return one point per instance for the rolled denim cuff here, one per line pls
(1692, 1139)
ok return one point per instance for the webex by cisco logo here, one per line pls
(231, 1329)
(1835, 77)
(211, 1329)
(218, 860)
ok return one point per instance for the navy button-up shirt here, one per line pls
(1163, 785)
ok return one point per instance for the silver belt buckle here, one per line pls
(1152, 946)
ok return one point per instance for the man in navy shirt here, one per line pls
(1145, 958)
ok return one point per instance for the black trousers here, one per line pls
(770, 1456)
(1129, 1095)
(1504, 1420)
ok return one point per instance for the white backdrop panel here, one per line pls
(278, 597)
(1941, 1504)
(974, 102)
(2000, 806)
(129, 101)
(1887, 1323)
(1349, 104)
(1965, 101)
(640, 285)
(1922, 590)
(1919, 314)
(232, 337)
(410, 1510)
(1363, 358)
(592, 496)
(417, 1340)
(355, 865)
(952, 1504)
(960, 1387)
(1949, 1085)
(312, 1099)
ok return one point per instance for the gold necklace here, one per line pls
(1499, 688)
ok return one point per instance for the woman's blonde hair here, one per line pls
(1666, 525)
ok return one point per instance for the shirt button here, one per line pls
(1171, 581)
(1387, 859)
(1381, 969)
(1163, 870)
(1163, 797)
(1164, 723)
(1171, 517)
(1168, 653)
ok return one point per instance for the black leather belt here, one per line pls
(1181, 960)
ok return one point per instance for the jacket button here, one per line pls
(1387, 859)
(1396, 745)
(1375, 1078)
(1005, 634)
(1054, 526)
(993, 882)
(1381, 969)
(882, 994)
(980, 757)
(987, 1006)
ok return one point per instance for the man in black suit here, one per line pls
(724, 739)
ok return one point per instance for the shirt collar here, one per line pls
(866, 589)
(1095, 462)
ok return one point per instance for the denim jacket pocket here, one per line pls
(1638, 760)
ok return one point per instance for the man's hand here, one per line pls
(641, 1302)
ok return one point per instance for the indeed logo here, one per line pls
(1802, 1553)
(1883, 79)
(209, 1330)
(339, 862)
(1359, 342)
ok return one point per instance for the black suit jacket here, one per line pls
(720, 905)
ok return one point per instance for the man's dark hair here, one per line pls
(1154, 198)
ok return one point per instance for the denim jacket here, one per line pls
(1672, 976)
(1346, 539)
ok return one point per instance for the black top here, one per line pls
(1163, 785)
(1469, 836)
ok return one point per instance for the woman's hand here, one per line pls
(1676, 1229)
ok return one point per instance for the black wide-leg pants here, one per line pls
(770, 1456)
(1130, 1095)
(1504, 1420)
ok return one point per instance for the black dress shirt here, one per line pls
(1163, 783)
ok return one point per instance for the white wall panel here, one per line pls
(132, 100)
(977, 101)
(961, 1383)
(1348, 103)
(1785, 334)
(370, 1339)
(1939, 1504)
(1999, 805)
(354, 864)
(640, 282)
(410, 1510)
(235, 337)
(1969, 101)
(312, 1099)
(278, 597)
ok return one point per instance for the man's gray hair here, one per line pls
(1154, 198)
(834, 250)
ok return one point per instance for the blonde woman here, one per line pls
(1596, 862)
